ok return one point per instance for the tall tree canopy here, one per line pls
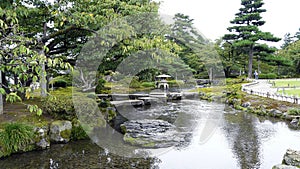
(39, 37)
(195, 49)
(292, 53)
(245, 32)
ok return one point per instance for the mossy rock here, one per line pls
(66, 134)
(139, 142)
(60, 131)
(123, 129)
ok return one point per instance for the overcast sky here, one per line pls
(212, 17)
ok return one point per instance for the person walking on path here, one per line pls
(255, 75)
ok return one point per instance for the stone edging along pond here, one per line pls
(242, 101)
(38, 138)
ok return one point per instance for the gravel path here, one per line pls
(264, 88)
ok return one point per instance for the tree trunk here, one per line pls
(1, 97)
(43, 80)
(47, 82)
(250, 62)
(211, 74)
(227, 72)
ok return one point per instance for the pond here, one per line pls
(220, 139)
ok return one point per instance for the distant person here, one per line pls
(255, 75)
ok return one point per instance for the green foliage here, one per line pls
(78, 132)
(111, 114)
(234, 91)
(59, 106)
(100, 88)
(148, 84)
(35, 109)
(193, 45)
(230, 81)
(292, 53)
(230, 56)
(15, 137)
(245, 32)
(295, 112)
(135, 83)
(267, 76)
(13, 97)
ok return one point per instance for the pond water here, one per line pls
(220, 139)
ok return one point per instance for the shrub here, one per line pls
(267, 76)
(295, 112)
(78, 132)
(16, 137)
(60, 107)
(100, 86)
(148, 84)
(134, 83)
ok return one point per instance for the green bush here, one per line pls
(100, 86)
(78, 132)
(267, 76)
(60, 107)
(148, 84)
(134, 83)
(16, 137)
(295, 112)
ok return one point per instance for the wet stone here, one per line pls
(292, 157)
(152, 133)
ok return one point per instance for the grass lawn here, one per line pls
(291, 92)
(287, 83)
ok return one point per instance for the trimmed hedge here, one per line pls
(267, 76)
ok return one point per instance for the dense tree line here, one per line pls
(41, 39)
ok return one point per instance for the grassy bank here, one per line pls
(232, 95)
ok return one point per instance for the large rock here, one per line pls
(275, 113)
(282, 166)
(42, 139)
(152, 133)
(246, 105)
(60, 131)
(291, 157)
(295, 122)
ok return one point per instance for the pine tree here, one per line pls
(190, 40)
(245, 32)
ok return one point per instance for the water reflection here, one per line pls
(239, 140)
(79, 154)
(243, 138)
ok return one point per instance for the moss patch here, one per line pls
(66, 134)
(78, 133)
